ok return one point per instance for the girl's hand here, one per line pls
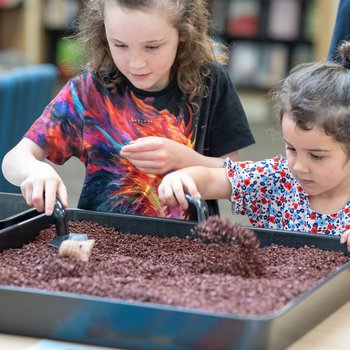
(157, 155)
(24, 166)
(172, 189)
(41, 188)
(345, 238)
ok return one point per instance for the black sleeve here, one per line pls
(227, 127)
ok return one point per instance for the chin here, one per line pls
(143, 86)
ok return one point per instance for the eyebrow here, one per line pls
(309, 149)
(318, 150)
(156, 41)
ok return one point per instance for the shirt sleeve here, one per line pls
(258, 188)
(228, 127)
(59, 129)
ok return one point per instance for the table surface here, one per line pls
(332, 333)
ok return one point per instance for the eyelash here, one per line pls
(120, 46)
(315, 157)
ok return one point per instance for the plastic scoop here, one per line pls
(62, 232)
(201, 206)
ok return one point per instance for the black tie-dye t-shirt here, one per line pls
(88, 121)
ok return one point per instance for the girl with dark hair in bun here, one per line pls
(308, 190)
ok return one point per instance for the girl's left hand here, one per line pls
(157, 155)
(345, 239)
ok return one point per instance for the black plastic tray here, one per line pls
(136, 325)
(14, 209)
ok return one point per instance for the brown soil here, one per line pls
(235, 277)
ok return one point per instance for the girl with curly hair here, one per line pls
(154, 97)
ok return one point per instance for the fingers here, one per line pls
(33, 194)
(148, 155)
(41, 192)
(150, 167)
(345, 239)
(173, 188)
(155, 155)
(143, 144)
(173, 195)
(63, 194)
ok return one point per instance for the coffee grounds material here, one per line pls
(168, 270)
(222, 230)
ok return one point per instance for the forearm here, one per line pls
(21, 161)
(189, 158)
(211, 183)
(16, 171)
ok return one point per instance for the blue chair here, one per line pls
(24, 93)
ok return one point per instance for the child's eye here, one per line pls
(152, 47)
(120, 45)
(289, 148)
(316, 157)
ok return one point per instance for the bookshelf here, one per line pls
(266, 37)
(20, 33)
(34, 31)
(58, 26)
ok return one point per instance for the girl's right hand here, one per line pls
(172, 189)
(41, 188)
(40, 184)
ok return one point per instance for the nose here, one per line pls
(136, 60)
(300, 165)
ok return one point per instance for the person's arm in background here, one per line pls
(341, 29)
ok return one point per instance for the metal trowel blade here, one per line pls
(56, 242)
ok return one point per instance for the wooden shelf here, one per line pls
(267, 37)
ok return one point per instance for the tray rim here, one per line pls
(266, 322)
(285, 308)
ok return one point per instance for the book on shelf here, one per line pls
(273, 66)
(219, 12)
(60, 14)
(258, 65)
(301, 53)
(9, 4)
(284, 19)
(244, 63)
(310, 30)
(243, 18)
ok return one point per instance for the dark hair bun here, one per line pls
(344, 50)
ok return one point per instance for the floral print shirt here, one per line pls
(272, 198)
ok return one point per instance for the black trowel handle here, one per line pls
(201, 206)
(60, 216)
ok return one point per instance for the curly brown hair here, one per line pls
(191, 18)
(318, 94)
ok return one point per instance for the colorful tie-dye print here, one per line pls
(272, 198)
(88, 121)
(94, 126)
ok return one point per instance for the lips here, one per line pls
(140, 76)
(306, 182)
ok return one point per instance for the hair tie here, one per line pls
(345, 63)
